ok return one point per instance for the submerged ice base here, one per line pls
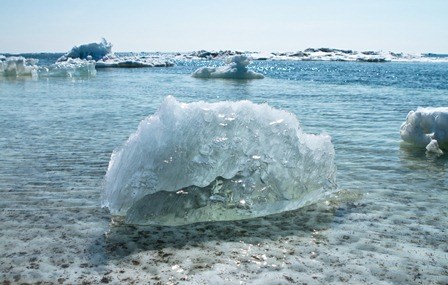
(202, 161)
(427, 127)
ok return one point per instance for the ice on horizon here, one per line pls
(427, 127)
(235, 68)
(133, 61)
(201, 161)
(321, 54)
(104, 57)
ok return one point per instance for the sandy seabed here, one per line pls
(351, 239)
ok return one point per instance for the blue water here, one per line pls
(57, 135)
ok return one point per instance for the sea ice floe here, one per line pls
(102, 54)
(16, 66)
(222, 54)
(236, 68)
(73, 67)
(27, 67)
(321, 54)
(427, 127)
(132, 61)
(203, 161)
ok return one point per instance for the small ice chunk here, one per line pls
(426, 125)
(17, 66)
(236, 68)
(433, 147)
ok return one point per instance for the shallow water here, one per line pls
(387, 224)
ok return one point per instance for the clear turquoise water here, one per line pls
(57, 135)
(60, 130)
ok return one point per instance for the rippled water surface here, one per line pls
(57, 135)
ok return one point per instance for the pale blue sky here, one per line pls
(255, 25)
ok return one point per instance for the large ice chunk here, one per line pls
(203, 161)
(236, 68)
(95, 51)
(427, 127)
(103, 56)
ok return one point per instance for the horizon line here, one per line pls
(234, 50)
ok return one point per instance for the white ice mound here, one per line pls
(73, 67)
(427, 127)
(95, 51)
(17, 66)
(11, 67)
(236, 68)
(203, 161)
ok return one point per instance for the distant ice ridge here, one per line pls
(132, 61)
(321, 54)
(102, 53)
(236, 68)
(201, 161)
(22, 67)
(427, 127)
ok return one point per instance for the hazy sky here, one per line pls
(255, 25)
